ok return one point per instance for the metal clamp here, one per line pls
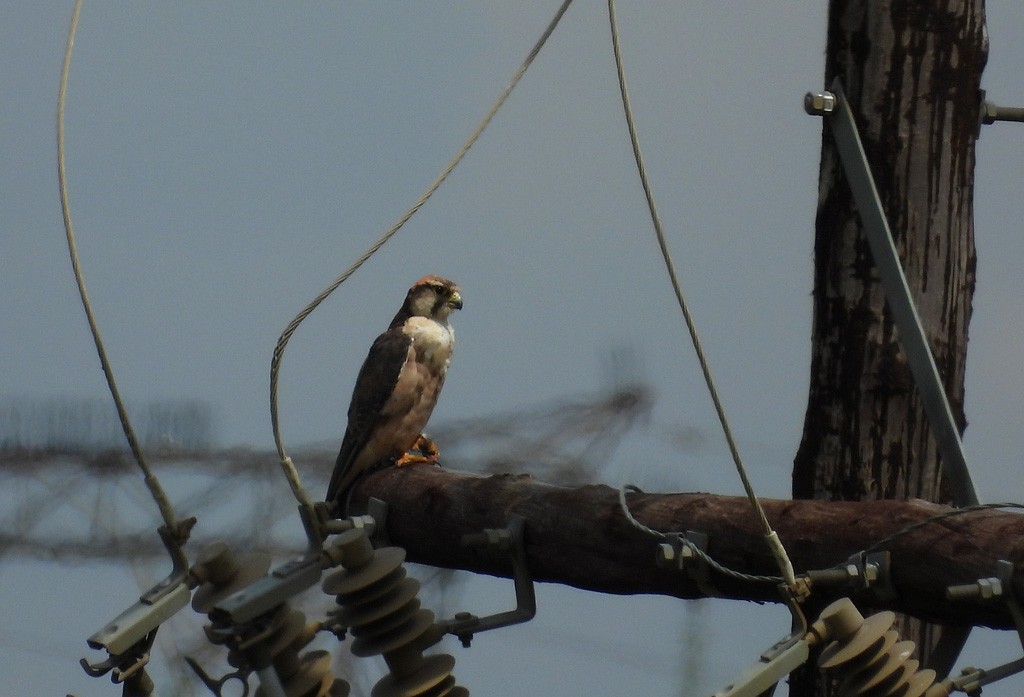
(862, 573)
(683, 553)
(773, 665)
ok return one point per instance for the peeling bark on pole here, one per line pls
(579, 537)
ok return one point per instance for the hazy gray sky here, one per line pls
(227, 160)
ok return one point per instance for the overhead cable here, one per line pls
(178, 530)
(772, 538)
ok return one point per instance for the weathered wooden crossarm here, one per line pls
(580, 537)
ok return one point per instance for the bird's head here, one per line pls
(433, 297)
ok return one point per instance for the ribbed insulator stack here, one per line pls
(869, 656)
(308, 675)
(380, 608)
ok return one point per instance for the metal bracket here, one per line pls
(834, 107)
(172, 541)
(249, 618)
(508, 540)
(132, 626)
(994, 588)
(876, 570)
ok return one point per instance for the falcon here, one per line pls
(398, 386)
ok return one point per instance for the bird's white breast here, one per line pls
(432, 341)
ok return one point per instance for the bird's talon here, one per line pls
(426, 447)
(411, 459)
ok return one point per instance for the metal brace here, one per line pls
(834, 107)
(508, 540)
(287, 580)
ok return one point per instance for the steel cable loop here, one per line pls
(152, 483)
(278, 356)
(777, 550)
(704, 556)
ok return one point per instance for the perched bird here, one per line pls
(398, 386)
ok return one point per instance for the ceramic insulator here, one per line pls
(868, 657)
(379, 605)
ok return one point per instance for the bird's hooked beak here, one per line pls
(455, 300)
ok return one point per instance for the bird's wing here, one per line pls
(374, 385)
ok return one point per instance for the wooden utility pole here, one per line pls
(911, 71)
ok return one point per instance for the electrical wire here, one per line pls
(935, 518)
(777, 549)
(275, 364)
(624, 507)
(179, 531)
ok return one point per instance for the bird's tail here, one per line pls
(341, 480)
